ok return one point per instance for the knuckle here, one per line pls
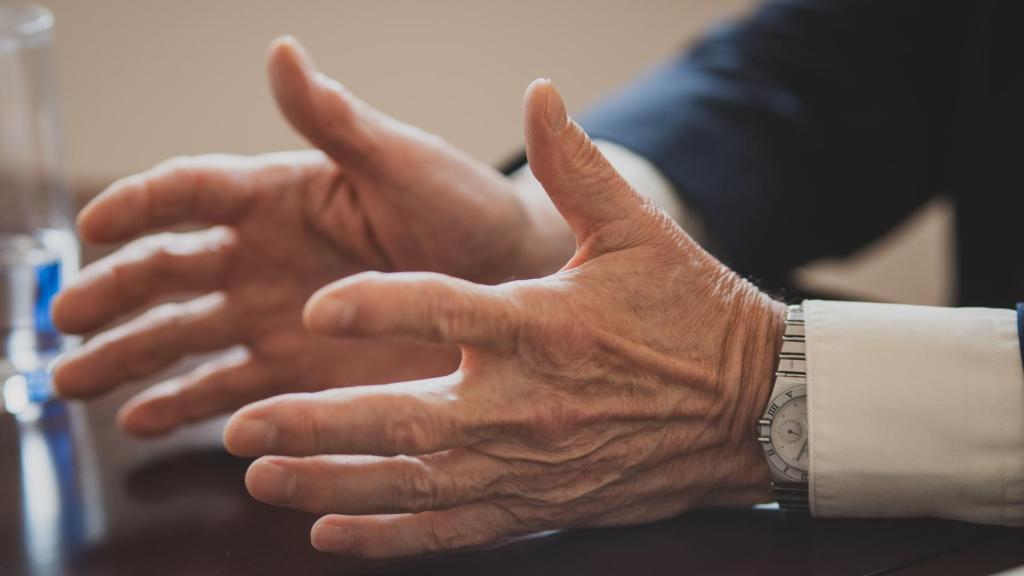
(223, 240)
(119, 272)
(447, 316)
(167, 316)
(460, 310)
(108, 348)
(135, 271)
(409, 432)
(175, 164)
(191, 403)
(555, 420)
(276, 171)
(417, 490)
(185, 171)
(565, 343)
(159, 254)
(315, 431)
(140, 353)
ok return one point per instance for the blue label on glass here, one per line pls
(37, 386)
(47, 286)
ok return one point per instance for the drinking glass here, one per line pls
(38, 249)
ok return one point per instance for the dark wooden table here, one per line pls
(80, 498)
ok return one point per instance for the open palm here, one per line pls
(377, 195)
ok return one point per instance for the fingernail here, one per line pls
(333, 538)
(251, 437)
(272, 483)
(557, 116)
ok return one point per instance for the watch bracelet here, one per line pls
(792, 496)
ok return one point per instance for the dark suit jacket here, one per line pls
(810, 128)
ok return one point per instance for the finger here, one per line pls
(421, 305)
(144, 346)
(208, 189)
(321, 109)
(587, 191)
(217, 387)
(390, 536)
(374, 485)
(142, 272)
(407, 418)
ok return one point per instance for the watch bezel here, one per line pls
(764, 435)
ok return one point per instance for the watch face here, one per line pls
(787, 435)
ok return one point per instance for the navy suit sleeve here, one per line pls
(805, 130)
(1020, 328)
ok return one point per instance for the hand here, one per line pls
(380, 196)
(623, 389)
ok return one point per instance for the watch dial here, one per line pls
(790, 434)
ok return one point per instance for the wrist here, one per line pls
(762, 357)
(760, 325)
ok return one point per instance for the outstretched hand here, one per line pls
(622, 389)
(376, 195)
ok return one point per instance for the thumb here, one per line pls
(319, 108)
(583, 185)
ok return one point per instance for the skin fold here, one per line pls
(429, 364)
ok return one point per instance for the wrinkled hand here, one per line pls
(622, 389)
(378, 195)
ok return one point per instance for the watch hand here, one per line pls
(802, 450)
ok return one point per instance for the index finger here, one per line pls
(386, 420)
(421, 305)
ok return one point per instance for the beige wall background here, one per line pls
(144, 80)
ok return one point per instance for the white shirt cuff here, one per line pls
(915, 411)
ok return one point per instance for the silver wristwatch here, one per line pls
(783, 431)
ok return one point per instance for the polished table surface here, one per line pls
(81, 498)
